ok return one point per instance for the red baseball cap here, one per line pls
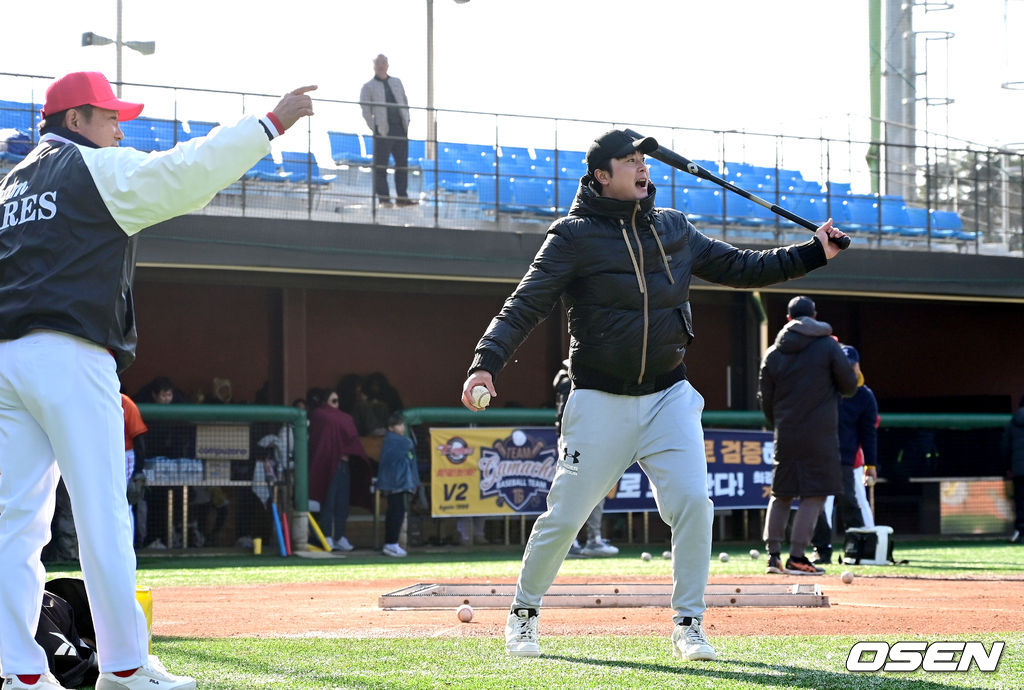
(87, 88)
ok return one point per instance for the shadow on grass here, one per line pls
(776, 675)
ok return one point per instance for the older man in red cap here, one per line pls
(69, 216)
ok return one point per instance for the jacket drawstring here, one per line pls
(643, 291)
(632, 257)
(664, 258)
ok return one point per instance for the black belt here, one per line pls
(584, 377)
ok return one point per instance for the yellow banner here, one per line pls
(491, 470)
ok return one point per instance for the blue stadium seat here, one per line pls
(661, 175)
(496, 192)
(917, 222)
(808, 204)
(863, 210)
(149, 134)
(566, 193)
(515, 160)
(17, 143)
(535, 195)
(572, 165)
(703, 204)
(837, 188)
(947, 224)
(417, 153)
(266, 170)
(190, 129)
(895, 220)
(19, 115)
(740, 174)
(349, 149)
(301, 165)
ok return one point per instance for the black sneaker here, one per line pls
(774, 565)
(799, 565)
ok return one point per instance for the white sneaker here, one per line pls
(152, 676)
(394, 550)
(599, 547)
(341, 544)
(690, 642)
(521, 633)
(330, 543)
(46, 682)
(575, 549)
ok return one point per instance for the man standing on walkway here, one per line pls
(386, 111)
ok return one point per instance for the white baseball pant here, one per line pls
(602, 435)
(60, 414)
(862, 497)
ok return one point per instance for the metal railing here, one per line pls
(516, 173)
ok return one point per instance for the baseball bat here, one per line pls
(287, 533)
(277, 528)
(319, 532)
(678, 162)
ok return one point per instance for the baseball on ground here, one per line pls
(480, 397)
(465, 613)
(754, 553)
(666, 554)
(724, 557)
(645, 556)
(847, 576)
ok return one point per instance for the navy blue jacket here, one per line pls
(858, 417)
(69, 216)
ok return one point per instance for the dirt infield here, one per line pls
(870, 605)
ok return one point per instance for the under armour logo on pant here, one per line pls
(575, 456)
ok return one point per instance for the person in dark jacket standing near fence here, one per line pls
(1013, 451)
(398, 478)
(801, 380)
(72, 210)
(623, 269)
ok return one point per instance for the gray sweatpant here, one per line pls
(602, 435)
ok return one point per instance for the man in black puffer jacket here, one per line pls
(623, 269)
(801, 379)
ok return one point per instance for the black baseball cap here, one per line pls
(616, 143)
(801, 306)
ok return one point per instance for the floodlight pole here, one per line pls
(117, 47)
(145, 47)
(431, 114)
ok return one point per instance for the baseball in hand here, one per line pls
(465, 613)
(847, 576)
(480, 397)
(724, 557)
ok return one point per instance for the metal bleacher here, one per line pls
(488, 182)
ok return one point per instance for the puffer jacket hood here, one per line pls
(801, 332)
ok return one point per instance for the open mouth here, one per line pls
(641, 183)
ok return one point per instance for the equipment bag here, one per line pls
(62, 625)
(868, 546)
